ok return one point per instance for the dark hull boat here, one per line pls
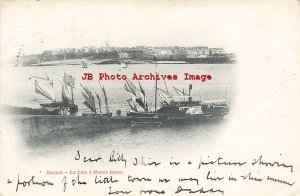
(183, 112)
(181, 115)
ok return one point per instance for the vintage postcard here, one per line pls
(149, 98)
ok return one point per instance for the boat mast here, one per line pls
(190, 98)
(99, 102)
(155, 101)
(166, 86)
(225, 94)
(72, 95)
(105, 98)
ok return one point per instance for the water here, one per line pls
(159, 140)
(18, 90)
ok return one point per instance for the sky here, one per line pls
(42, 25)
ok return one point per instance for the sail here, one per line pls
(44, 89)
(89, 98)
(66, 94)
(105, 99)
(166, 86)
(141, 103)
(40, 79)
(88, 92)
(169, 95)
(131, 93)
(181, 94)
(132, 105)
(123, 65)
(44, 86)
(131, 87)
(89, 103)
(84, 64)
(144, 98)
(132, 90)
(99, 102)
(69, 80)
(165, 96)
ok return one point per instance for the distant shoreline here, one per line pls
(208, 60)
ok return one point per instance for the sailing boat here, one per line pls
(123, 65)
(89, 100)
(132, 105)
(20, 58)
(136, 97)
(145, 117)
(84, 64)
(165, 96)
(45, 88)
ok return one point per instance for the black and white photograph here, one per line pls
(149, 97)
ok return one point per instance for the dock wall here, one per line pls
(37, 126)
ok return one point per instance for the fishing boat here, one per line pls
(89, 101)
(108, 113)
(44, 87)
(84, 64)
(19, 62)
(123, 65)
(174, 110)
(187, 110)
